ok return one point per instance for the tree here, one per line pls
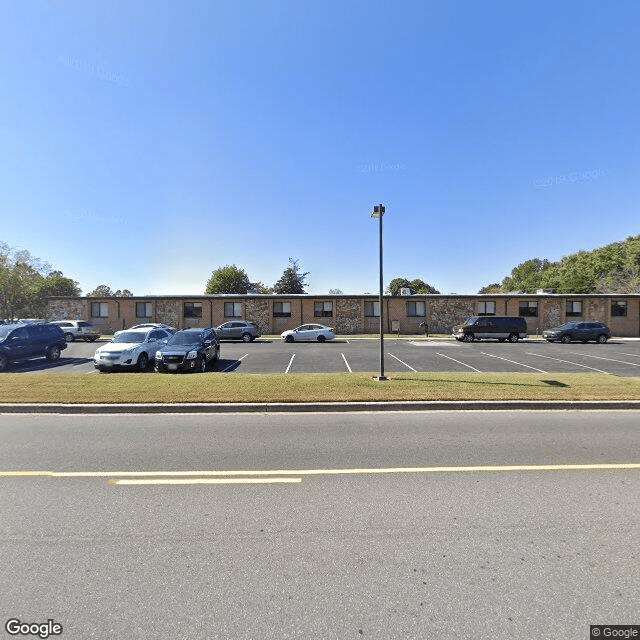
(228, 279)
(124, 293)
(415, 286)
(26, 282)
(260, 288)
(101, 291)
(291, 281)
(335, 292)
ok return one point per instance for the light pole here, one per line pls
(378, 212)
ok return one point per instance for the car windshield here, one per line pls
(569, 325)
(5, 331)
(130, 336)
(471, 320)
(185, 337)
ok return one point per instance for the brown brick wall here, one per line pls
(442, 312)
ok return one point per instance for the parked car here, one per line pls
(500, 328)
(583, 331)
(130, 349)
(188, 350)
(158, 325)
(76, 329)
(309, 333)
(25, 341)
(238, 330)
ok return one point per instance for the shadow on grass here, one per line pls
(553, 383)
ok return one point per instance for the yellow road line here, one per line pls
(320, 472)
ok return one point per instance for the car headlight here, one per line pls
(192, 354)
(158, 355)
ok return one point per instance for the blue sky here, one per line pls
(145, 144)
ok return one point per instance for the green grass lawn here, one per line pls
(321, 387)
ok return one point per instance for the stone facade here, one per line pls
(346, 313)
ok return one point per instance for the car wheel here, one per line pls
(601, 338)
(143, 362)
(468, 337)
(246, 337)
(321, 338)
(566, 339)
(4, 363)
(289, 339)
(513, 337)
(203, 364)
(69, 337)
(53, 353)
(216, 354)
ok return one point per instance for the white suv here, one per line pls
(130, 349)
(75, 329)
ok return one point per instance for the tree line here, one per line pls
(614, 268)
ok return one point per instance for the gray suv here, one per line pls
(238, 330)
(78, 329)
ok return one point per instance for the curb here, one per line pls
(326, 407)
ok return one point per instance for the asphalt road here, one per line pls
(348, 539)
(618, 357)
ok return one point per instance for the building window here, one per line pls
(372, 309)
(529, 308)
(99, 309)
(619, 308)
(574, 308)
(233, 309)
(487, 308)
(415, 309)
(323, 310)
(193, 310)
(281, 309)
(144, 309)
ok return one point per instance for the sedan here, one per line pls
(309, 333)
(583, 331)
(188, 350)
(131, 349)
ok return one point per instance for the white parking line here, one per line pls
(577, 364)
(633, 355)
(404, 363)
(458, 361)
(233, 364)
(633, 364)
(290, 363)
(345, 361)
(513, 362)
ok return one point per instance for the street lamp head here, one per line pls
(378, 211)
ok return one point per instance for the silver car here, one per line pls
(78, 329)
(238, 330)
(309, 333)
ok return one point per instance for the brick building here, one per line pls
(351, 314)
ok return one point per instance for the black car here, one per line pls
(25, 341)
(583, 331)
(188, 350)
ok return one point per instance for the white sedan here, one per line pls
(130, 349)
(309, 333)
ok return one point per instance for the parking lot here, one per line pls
(619, 357)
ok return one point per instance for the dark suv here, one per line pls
(26, 341)
(583, 331)
(188, 350)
